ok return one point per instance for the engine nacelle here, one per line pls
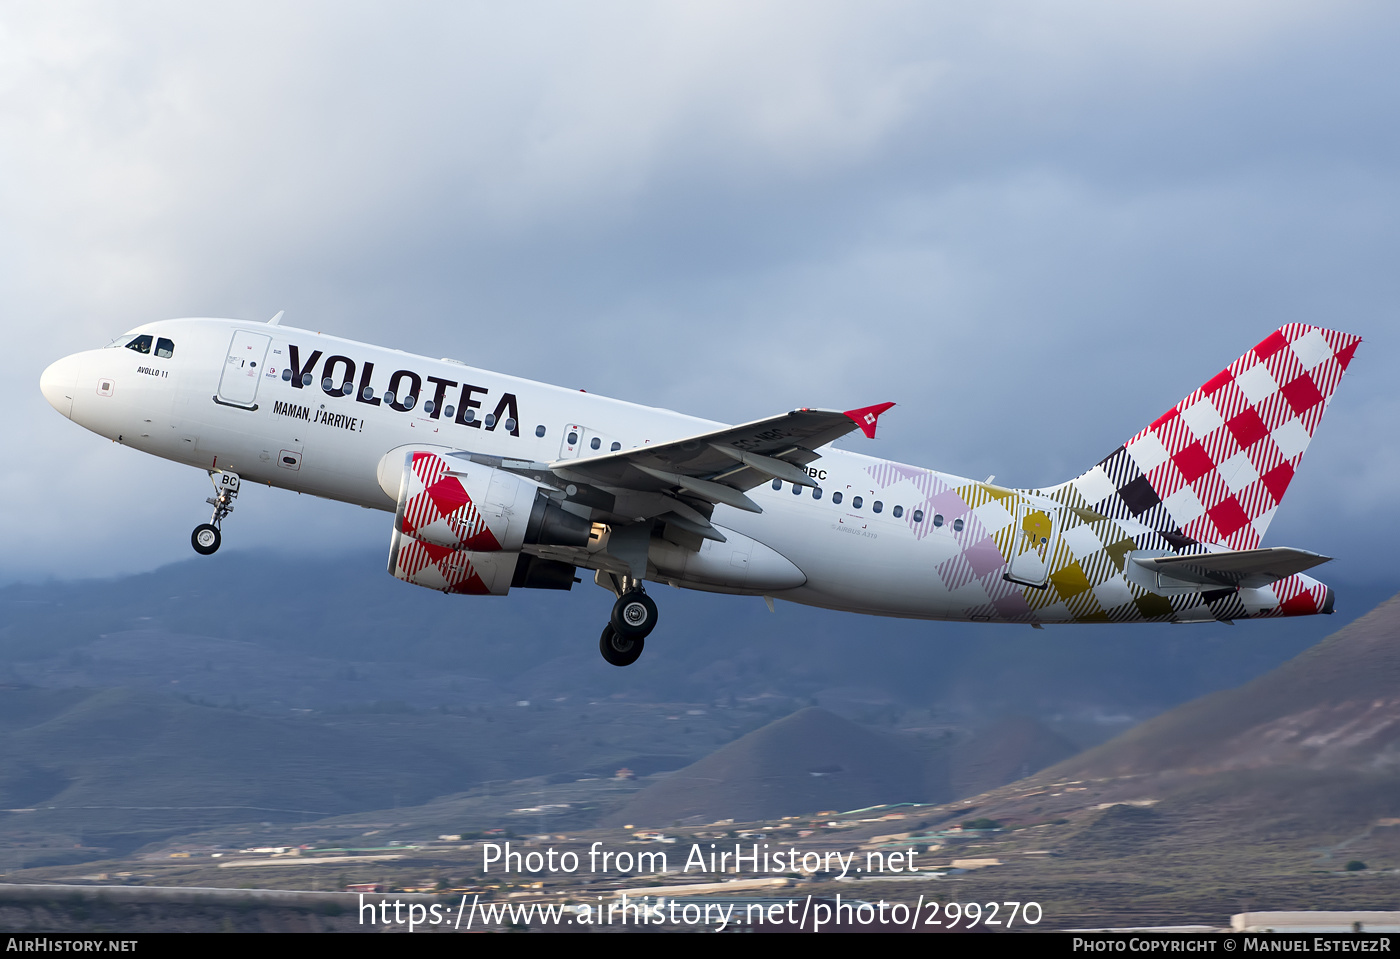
(451, 570)
(447, 500)
(459, 526)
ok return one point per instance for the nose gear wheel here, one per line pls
(205, 539)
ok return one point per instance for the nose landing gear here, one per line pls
(633, 618)
(206, 536)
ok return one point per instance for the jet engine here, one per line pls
(459, 526)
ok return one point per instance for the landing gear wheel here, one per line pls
(619, 650)
(634, 615)
(205, 539)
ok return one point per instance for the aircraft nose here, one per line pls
(59, 383)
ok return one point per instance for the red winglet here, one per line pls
(867, 417)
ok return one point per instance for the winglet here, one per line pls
(276, 319)
(867, 417)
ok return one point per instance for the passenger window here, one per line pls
(898, 512)
(816, 492)
(957, 526)
(509, 424)
(490, 420)
(573, 437)
(142, 344)
(796, 490)
(428, 406)
(165, 348)
(447, 411)
(855, 502)
(595, 443)
(777, 484)
(287, 375)
(918, 516)
(615, 447)
(937, 519)
(368, 394)
(539, 430)
(836, 497)
(408, 401)
(470, 415)
(877, 506)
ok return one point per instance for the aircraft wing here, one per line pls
(720, 465)
(1247, 568)
(680, 482)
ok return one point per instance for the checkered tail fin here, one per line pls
(1215, 466)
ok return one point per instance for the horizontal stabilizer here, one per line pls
(1245, 568)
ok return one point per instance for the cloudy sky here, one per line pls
(1033, 226)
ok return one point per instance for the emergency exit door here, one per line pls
(1037, 528)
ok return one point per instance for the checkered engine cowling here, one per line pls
(459, 525)
(451, 570)
(453, 503)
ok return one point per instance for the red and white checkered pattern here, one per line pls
(437, 567)
(1221, 459)
(1297, 595)
(438, 510)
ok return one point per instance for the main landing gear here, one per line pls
(206, 536)
(633, 618)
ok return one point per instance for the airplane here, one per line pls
(498, 483)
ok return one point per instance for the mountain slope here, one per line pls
(804, 763)
(1335, 706)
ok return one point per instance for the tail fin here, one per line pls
(1214, 467)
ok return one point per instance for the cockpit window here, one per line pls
(165, 348)
(141, 344)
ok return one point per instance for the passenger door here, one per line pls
(238, 384)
